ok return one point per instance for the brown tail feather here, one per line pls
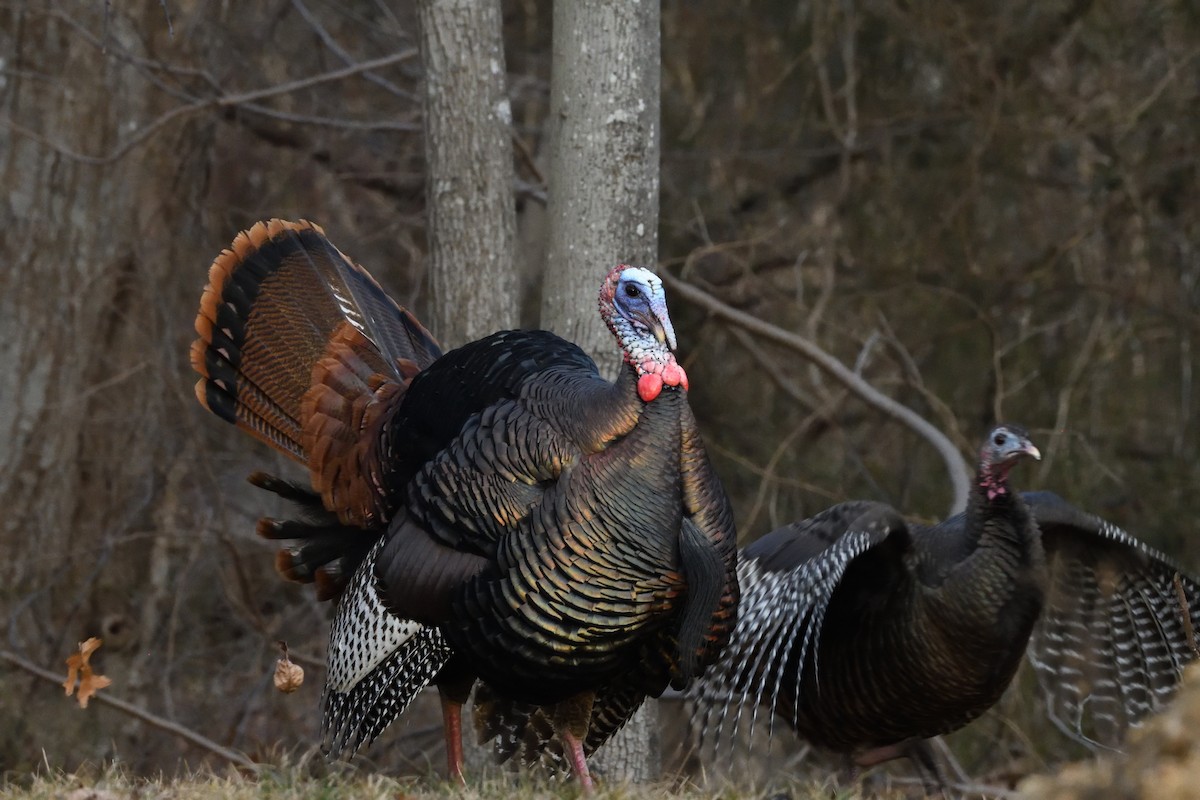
(344, 412)
(273, 303)
(301, 348)
(326, 552)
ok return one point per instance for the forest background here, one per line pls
(987, 211)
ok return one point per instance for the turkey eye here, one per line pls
(631, 290)
(999, 440)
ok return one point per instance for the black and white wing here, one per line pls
(378, 662)
(787, 579)
(1117, 628)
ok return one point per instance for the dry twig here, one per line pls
(957, 469)
(232, 756)
(1185, 610)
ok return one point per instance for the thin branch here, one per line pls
(773, 370)
(1082, 361)
(755, 469)
(327, 38)
(527, 159)
(936, 404)
(956, 468)
(233, 756)
(769, 475)
(222, 101)
(332, 122)
(1185, 609)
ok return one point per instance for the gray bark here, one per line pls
(471, 213)
(93, 337)
(127, 515)
(605, 138)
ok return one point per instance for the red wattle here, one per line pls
(649, 386)
(673, 375)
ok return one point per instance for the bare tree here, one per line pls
(471, 214)
(91, 321)
(604, 165)
(129, 155)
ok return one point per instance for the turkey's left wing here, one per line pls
(1117, 628)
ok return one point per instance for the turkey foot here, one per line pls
(571, 719)
(452, 725)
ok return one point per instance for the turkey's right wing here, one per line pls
(1117, 628)
(377, 664)
(487, 480)
(708, 550)
(463, 502)
(787, 579)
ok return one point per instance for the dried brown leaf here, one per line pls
(79, 669)
(288, 674)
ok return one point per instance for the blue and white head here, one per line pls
(634, 306)
(1003, 448)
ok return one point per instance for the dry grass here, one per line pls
(114, 783)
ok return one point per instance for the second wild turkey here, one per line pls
(867, 634)
(499, 511)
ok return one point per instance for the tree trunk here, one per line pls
(94, 326)
(471, 213)
(605, 139)
(126, 512)
(470, 208)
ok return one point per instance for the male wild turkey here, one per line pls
(867, 634)
(499, 511)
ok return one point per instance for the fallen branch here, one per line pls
(956, 467)
(232, 756)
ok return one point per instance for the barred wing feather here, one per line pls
(1114, 635)
(787, 580)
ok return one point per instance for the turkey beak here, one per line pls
(1027, 448)
(660, 324)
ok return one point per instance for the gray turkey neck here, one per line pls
(984, 573)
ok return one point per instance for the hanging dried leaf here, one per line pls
(288, 675)
(79, 668)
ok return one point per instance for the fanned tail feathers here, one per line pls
(301, 348)
(287, 320)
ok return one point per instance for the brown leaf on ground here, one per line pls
(288, 675)
(79, 668)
